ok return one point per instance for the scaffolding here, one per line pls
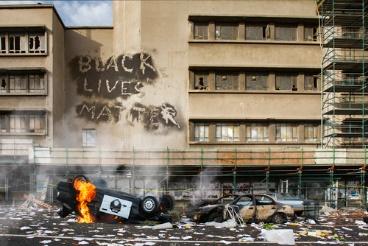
(344, 73)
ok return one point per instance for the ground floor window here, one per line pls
(89, 137)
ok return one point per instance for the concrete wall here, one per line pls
(58, 73)
(23, 17)
(157, 114)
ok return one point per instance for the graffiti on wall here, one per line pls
(117, 79)
(120, 76)
(153, 116)
(100, 112)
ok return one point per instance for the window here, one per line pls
(257, 133)
(286, 133)
(36, 123)
(200, 31)
(18, 123)
(256, 81)
(2, 43)
(200, 81)
(36, 83)
(22, 43)
(286, 82)
(257, 32)
(89, 137)
(244, 201)
(310, 133)
(200, 132)
(3, 123)
(36, 43)
(264, 200)
(226, 81)
(22, 122)
(227, 31)
(227, 132)
(14, 82)
(310, 83)
(17, 43)
(18, 83)
(310, 33)
(3, 83)
(286, 33)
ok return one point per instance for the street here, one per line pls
(42, 227)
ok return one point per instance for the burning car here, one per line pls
(249, 207)
(95, 204)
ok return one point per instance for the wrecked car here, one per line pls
(91, 203)
(251, 208)
(295, 202)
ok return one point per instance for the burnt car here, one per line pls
(252, 208)
(114, 206)
(299, 205)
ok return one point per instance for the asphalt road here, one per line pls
(41, 227)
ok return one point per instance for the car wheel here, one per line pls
(279, 218)
(149, 205)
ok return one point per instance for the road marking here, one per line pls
(166, 240)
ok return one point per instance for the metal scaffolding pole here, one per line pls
(299, 181)
(235, 185)
(332, 189)
(363, 187)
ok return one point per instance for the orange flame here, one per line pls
(86, 192)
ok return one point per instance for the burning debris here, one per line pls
(92, 204)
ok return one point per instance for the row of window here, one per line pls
(253, 31)
(22, 43)
(23, 83)
(255, 132)
(253, 81)
(30, 122)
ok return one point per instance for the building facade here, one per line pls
(223, 92)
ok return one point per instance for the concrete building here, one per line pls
(229, 85)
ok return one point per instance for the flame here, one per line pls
(86, 192)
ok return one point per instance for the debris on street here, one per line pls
(280, 236)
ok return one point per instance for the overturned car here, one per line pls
(92, 204)
(251, 208)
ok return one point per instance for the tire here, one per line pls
(279, 218)
(149, 205)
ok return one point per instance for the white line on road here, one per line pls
(165, 240)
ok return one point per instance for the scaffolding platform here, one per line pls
(344, 72)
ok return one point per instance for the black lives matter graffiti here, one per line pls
(100, 112)
(153, 116)
(119, 77)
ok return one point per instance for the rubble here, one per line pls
(231, 223)
(280, 236)
(32, 201)
(163, 226)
